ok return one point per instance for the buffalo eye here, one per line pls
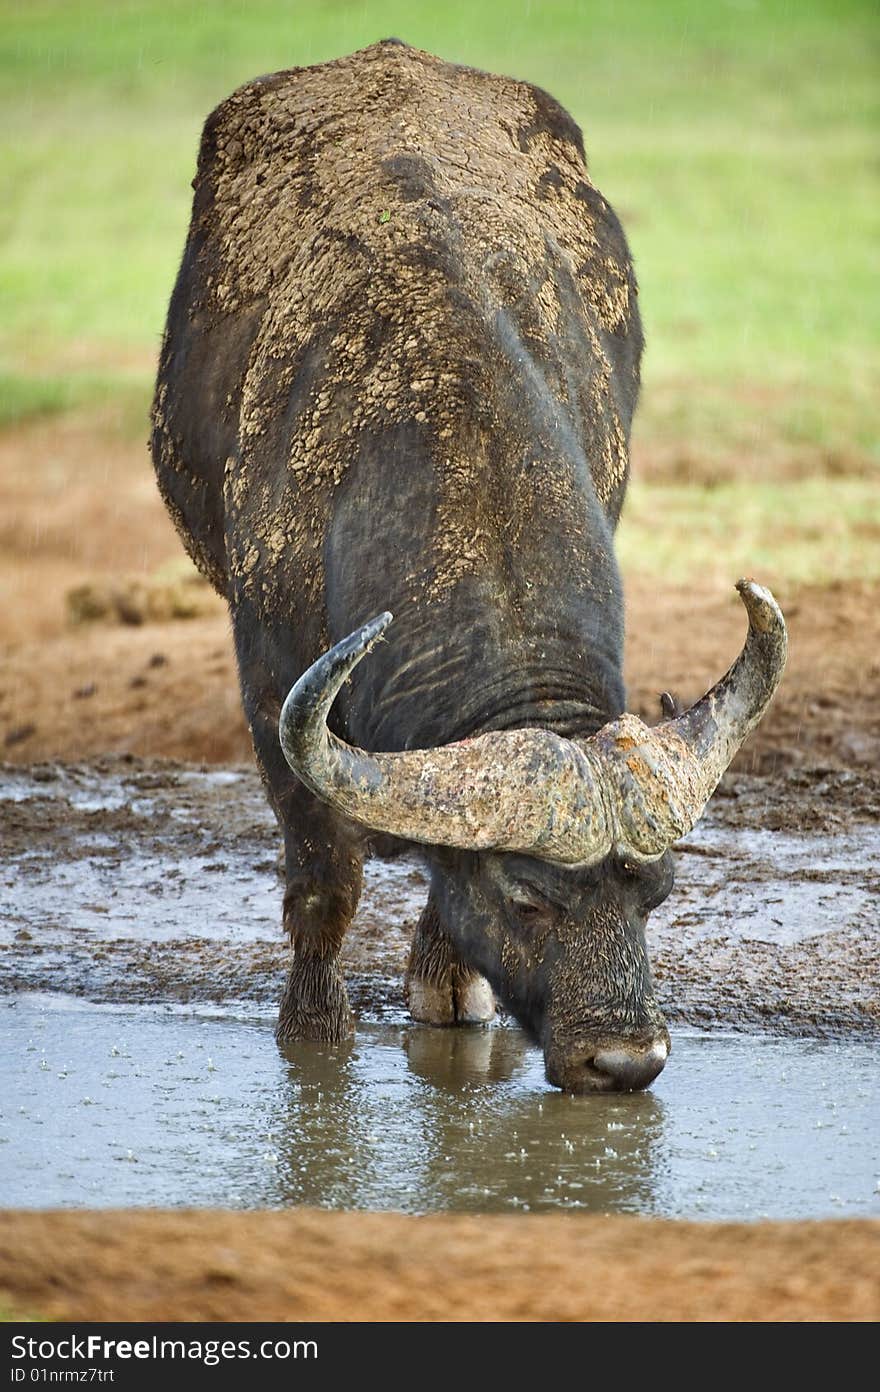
(531, 908)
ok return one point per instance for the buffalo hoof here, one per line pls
(474, 1002)
(462, 1000)
(314, 1004)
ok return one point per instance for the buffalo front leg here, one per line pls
(440, 988)
(323, 871)
(323, 887)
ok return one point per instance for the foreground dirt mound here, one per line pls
(307, 1265)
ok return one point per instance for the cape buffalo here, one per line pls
(399, 372)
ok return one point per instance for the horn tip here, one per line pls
(763, 611)
(372, 631)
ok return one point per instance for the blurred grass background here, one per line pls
(737, 140)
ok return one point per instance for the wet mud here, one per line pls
(146, 882)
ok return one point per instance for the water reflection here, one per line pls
(457, 1059)
(423, 1119)
(109, 1106)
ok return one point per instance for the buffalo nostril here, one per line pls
(631, 1067)
(613, 1067)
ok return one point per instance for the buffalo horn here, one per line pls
(628, 788)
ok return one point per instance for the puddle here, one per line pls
(107, 1106)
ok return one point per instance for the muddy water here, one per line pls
(141, 961)
(121, 1106)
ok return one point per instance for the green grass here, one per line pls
(737, 140)
(24, 396)
(810, 530)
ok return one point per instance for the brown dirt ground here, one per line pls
(309, 1265)
(168, 689)
(78, 507)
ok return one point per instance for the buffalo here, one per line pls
(398, 377)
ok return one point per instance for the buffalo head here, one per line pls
(548, 853)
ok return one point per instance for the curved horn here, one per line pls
(627, 787)
(662, 778)
(505, 790)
